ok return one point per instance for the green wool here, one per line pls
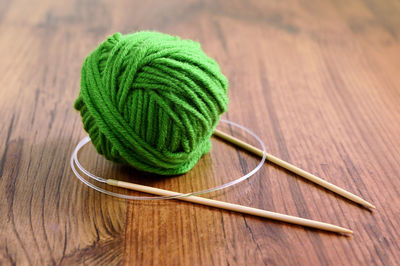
(151, 100)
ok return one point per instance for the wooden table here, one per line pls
(319, 81)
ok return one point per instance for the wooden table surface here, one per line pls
(319, 81)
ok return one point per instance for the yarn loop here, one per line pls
(151, 100)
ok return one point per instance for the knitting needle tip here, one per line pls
(370, 206)
(364, 203)
(347, 232)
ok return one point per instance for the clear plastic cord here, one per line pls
(74, 160)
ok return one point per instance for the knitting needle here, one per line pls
(233, 207)
(294, 169)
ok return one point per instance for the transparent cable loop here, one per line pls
(74, 160)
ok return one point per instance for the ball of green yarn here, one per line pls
(151, 100)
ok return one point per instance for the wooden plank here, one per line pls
(317, 80)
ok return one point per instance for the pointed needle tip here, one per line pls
(347, 232)
(370, 206)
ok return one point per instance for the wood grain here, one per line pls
(317, 80)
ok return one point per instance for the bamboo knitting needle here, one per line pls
(294, 169)
(233, 207)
